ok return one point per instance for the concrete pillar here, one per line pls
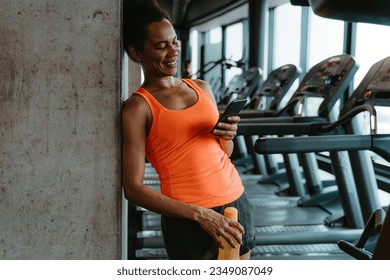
(60, 74)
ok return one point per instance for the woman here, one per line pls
(168, 121)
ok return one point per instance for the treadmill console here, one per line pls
(328, 80)
(373, 89)
(242, 86)
(270, 94)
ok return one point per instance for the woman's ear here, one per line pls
(134, 54)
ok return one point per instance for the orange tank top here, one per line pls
(191, 164)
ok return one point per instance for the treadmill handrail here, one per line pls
(373, 225)
(348, 116)
(302, 125)
(330, 143)
(277, 129)
(378, 223)
(377, 143)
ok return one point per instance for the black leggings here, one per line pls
(186, 240)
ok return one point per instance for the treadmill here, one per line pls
(327, 81)
(340, 135)
(242, 86)
(273, 90)
(316, 226)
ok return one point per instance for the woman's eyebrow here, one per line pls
(164, 41)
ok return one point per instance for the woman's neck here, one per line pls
(162, 83)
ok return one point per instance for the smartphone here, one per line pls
(232, 110)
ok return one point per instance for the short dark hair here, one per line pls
(137, 15)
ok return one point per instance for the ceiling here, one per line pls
(192, 12)
(186, 12)
(176, 8)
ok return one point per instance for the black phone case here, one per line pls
(233, 109)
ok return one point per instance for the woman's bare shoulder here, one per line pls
(205, 86)
(201, 83)
(134, 104)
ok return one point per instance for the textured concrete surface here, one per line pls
(60, 193)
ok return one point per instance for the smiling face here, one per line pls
(161, 49)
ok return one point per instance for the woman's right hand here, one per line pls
(217, 225)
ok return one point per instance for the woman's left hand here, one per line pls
(227, 130)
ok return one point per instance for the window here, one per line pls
(215, 35)
(194, 53)
(233, 49)
(372, 45)
(325, 39)
(287, 35)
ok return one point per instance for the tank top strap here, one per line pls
(201, 92)
(152, 102)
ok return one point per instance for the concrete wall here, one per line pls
(60, 193)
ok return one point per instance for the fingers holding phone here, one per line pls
(226, 127)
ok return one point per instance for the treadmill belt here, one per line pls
(324, 251)
(276, 252)
(296, 249)
(258, 200)
(297, 228)
(150, 239)
(151, 254)
(151, 221)
(288, 216)
(252, 185)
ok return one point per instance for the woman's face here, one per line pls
(161, 50)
